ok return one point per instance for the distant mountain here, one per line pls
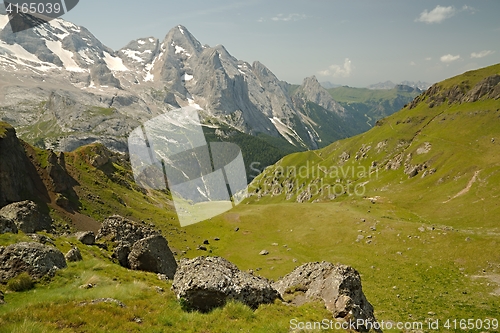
(382, 85)
(390, 85)
(329, 85)
(369, 105)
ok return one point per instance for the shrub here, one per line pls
(21, 282)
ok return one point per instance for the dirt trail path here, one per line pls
(467, 188)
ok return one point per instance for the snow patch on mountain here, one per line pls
(4, 20)
(65, 56)
(285, 131)
(114, 63)
(85, 56)
(58, 24)
(23, 57)
(133, 55)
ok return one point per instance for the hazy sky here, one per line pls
(354, 43)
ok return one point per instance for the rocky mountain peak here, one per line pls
(312, 90)
(182, 41)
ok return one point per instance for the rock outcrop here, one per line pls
(138, 246)
(488, 88)
(152, 254)
(7, 225)
(2, 301)
(338, 286)
(86, 237)
(27, 216)
(34, 258)
(73, 255)
(119, 229)
(19, 179)
(205, 283)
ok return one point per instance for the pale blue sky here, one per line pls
(355, 43)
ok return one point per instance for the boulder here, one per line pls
(86, 237)
(121, 252)
(152, 254)
(138, 246)
(117, 228)
(2, 301)
(337, 286)
(27, 216)
(205, 283)
(73, 255)
(7, 225)
(36, 259)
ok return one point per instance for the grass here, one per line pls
(22, 282)
(424, 253)
(3, 129)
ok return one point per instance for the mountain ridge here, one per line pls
(96, 94)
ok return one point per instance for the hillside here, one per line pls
(420, 157)
(411, 204)
(80, 190)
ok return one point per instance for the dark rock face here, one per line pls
(338, 286)
(152, 254)
(86, 237)
(73, 255)
(7, 225)
(18, 177)
(1, 298)
(138, 246)
(205, 283)
(34, 258)
(27, 216)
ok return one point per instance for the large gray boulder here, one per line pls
(73, 255)
(138, 246)
(337, 286)
(27, 216)
(152, 254)
(117, 228)
(34, 258)
(205, 283)
(7, 225)
(86, 237)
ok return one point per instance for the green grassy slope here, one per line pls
(435, 236)
(426, 247)
(369, 105)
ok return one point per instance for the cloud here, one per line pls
(260, 20)
(412, 63)
(437, 15)
(449, 58)
(481, 54)
(428, 58)
(289, 17)
(339, 71)
(466, 8)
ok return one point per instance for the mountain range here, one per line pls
(390, 85)
(62, 88)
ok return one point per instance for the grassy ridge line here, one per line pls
(460, 144)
